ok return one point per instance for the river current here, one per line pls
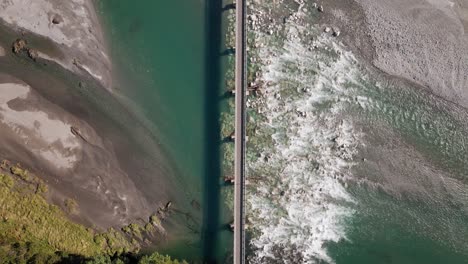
(346, 165)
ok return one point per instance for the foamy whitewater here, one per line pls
(298, 199)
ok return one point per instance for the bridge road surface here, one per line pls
(239, 134)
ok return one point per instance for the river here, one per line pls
(167, 65)
(346, 164)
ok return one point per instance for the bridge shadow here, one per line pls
(212, 166)
(228, 7)
(226, 95)
(228, 51)
(227, 139)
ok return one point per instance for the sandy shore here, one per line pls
(73, 25)
(81, 166)
(101, 157)
(422, 41)
(57, 120)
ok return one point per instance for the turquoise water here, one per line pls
(166, 54)
(344, 168)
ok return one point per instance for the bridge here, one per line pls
(240, 133)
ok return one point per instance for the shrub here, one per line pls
(157, 258)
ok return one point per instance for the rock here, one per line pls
(301, 114)
(57, 19)
(320, 8)
(168, 206)
(19, 45)
(327, 29)
(336, 32)
(32, 53)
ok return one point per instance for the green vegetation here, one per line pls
(154, 219)
(6, 180)
(159, 259)
(23, 174)
(154, 258)
(71, 206)
(34, 231)
(149, 227)
(136, 229)
(42, 188)
(26, 217)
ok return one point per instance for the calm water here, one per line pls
(166, 54)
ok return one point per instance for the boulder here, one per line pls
(19, 45)
(33, 54)
(57, 19)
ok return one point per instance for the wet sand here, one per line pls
(113, 167)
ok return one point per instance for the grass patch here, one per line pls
(34, 231)
(6, 180)
(71, 206)
(27, 217)
(32, 228)
(22, 173)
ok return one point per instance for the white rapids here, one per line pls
(298, 199)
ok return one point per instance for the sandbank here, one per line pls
(72, 25)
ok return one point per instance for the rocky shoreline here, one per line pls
(420, 42)
(333, 45)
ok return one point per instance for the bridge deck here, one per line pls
(240, 131)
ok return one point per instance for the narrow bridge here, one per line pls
(240, 133)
